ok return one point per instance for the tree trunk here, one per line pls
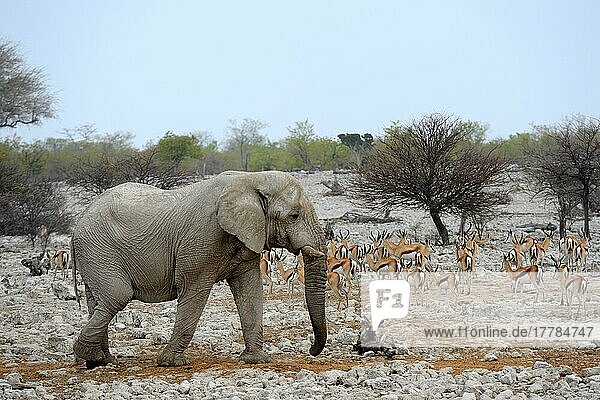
(564, 213)
(463, 221)
(439, 224)
(242, 156)
(562, 224)
(586, 210)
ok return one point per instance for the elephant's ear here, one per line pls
(241, 212)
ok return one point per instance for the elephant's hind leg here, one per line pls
(92, 343)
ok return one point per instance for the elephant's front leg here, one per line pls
(248, 295)
(190, 305)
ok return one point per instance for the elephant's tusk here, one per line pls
(311, 252)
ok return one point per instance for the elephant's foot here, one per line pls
(255, 357)
(88, 352)
(109, 358)
(94, 364)
(170, 359)
(94, 356)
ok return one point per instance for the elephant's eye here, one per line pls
(294, 216)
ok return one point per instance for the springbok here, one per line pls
(60, 259)
(466, 267)
(337, 283)
(408, 252)
(538, 250)
(289, 276)
(383, 267)
(447, 282)
(265, 270)
(570, 284)
(568, 245)
(523, 275)
(516, 255)
(581, 251)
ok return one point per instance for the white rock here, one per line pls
(346, 336)
(138, 333)
(61, 344)
(63, 291)
(120, 327)
(378, 383)
(285, 345)
(586, 372)
(505, 395)
(159, 338)
(490, 356)
(13, 378)
(539, 387)
(541, 364)
(332, 377)
(572, 379)
(507, 375)
(184, 387)
(305, 375)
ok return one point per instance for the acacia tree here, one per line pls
(566, 163)
(430, 163)
(25, 97)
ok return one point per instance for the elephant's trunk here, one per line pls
(315, 277)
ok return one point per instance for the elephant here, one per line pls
(135, 241)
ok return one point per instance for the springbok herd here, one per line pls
(385, 258)
(393, 255)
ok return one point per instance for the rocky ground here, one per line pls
(39, 320)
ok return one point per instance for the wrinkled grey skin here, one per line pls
(138, 242)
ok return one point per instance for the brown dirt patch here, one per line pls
(55, 375)
(576, 359)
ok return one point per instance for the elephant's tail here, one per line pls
(75, 274)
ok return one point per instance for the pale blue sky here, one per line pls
(152, 66)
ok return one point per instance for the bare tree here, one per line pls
(25, 97)
(213, 163)
(242, 136)
(13, 182)
(144, 167)
(99, 172)
(36, 204)
(86, 133)
(431, 163)
(547, 176)
(566, 163)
